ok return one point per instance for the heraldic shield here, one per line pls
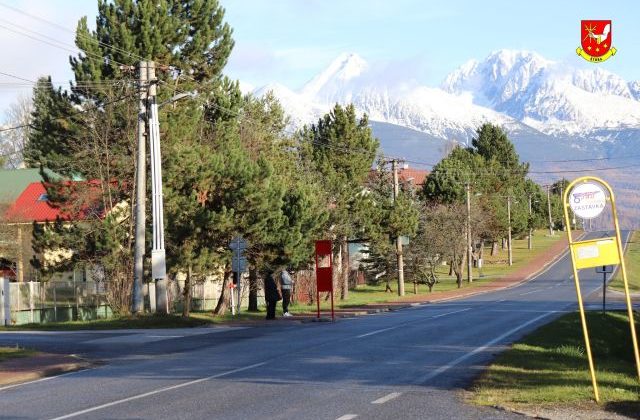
(596, 37)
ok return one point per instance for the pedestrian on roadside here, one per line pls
(286, 284)
(271, 294)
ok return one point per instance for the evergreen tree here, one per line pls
(342, 149)
(54, 126)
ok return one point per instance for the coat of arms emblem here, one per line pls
(596, 37)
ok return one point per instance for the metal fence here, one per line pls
(55, 301)
(69, 300)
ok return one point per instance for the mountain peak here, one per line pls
(345, 67)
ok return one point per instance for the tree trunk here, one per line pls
(221, 307)
(494, 248)
(253, 290)
(337, 270)
(186, 294)
(451, 263)
(415, 288)
(504, 243)
(344, 271)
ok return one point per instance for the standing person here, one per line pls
(271, 294)
(286, 284)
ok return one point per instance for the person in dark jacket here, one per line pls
(286, 284)
(271, 294)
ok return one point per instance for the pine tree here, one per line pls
(54, 125)
(342, 149)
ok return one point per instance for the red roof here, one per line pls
(32, 206)
(416, 176)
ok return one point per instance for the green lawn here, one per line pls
(7, 353)
(632, 263)
(494, 268)
(549, 367)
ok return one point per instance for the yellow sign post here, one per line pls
(586, 197)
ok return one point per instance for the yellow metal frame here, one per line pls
(593, 253)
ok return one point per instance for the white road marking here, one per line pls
(387, 398)
(398, 326)
(528, 310)
(528, 293)
(376, 332)
(157, 391)
(48, 378)
(449, 313)
(165, 336)
(347, 417)
(501, 300)
(461, 359)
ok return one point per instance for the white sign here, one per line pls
(587, 200)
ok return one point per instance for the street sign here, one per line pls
(587, 200)
(238, 264)
(238, 243)
(604, 269)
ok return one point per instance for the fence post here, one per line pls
(31, 303)
(5, 301)
(55, 305)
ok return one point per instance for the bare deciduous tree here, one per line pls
(12, 142)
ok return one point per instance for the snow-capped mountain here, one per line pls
(519, 90)
(548, 96)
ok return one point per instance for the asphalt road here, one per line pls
(409, 364)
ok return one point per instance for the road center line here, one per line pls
(376, 332)
(450, 313)
(157, 391)
(387, 398)
(472, 353)
(528, 293)
(398, 326)
(347, 417)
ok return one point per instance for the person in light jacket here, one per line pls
(286, 284)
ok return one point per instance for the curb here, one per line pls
(12, 380)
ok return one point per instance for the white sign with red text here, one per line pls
(587, 200)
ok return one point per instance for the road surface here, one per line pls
(409, 364)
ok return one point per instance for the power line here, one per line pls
(65, 29)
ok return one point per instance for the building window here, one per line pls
(43, 197)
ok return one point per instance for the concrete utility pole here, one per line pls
(509, 217)
(549, 207)
(158, 256)
(396, 188)
(530, 245)
(469, 246)
(141, 181)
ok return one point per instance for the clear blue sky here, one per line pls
(289, 41)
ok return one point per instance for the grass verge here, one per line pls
(7, 353)
(632, 264)
(549, 367)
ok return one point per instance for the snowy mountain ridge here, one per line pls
(517, 89)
